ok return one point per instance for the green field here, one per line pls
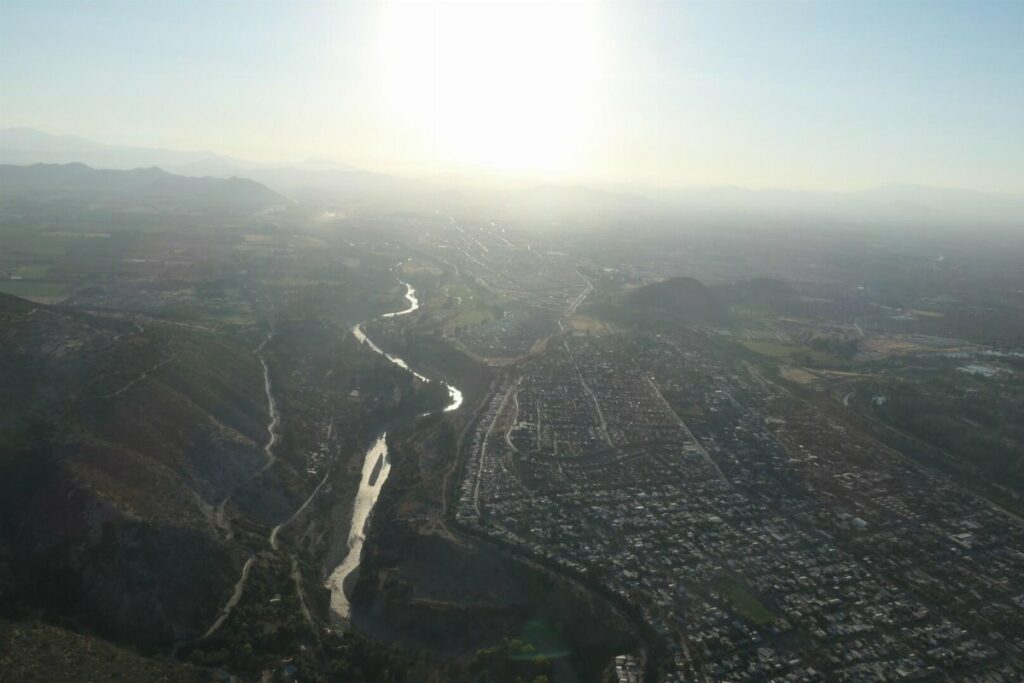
(742, 600)
(34, 272)
(40, 292)
(468, 316)
(786, 352)
(465, 305)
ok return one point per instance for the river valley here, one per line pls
(375, 470)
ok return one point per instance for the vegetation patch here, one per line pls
(742, 600)
(584, 323)
(467, 317)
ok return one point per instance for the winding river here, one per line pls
(376, 467)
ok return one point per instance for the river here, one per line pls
(376, 467)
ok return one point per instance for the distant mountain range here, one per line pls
(311, 180)
(29, 146)
(543, 204)
(147, 188)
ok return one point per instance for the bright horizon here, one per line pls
(820, 96)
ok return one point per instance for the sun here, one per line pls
(509, 86)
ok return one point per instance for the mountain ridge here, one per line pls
(322, 180)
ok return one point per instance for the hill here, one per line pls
(143, 189)
(675, 300)
(36, 652)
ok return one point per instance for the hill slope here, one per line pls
(117, 441)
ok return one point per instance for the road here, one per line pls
(275, 416)
(590, 392)
(483, 448)
(277, 529)
(141, 377)
(576, 302)
(689, 434)
(236, 595)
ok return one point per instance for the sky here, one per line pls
(824, 95)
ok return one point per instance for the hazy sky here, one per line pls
(765, 94)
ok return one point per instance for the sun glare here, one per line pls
(502, 86)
